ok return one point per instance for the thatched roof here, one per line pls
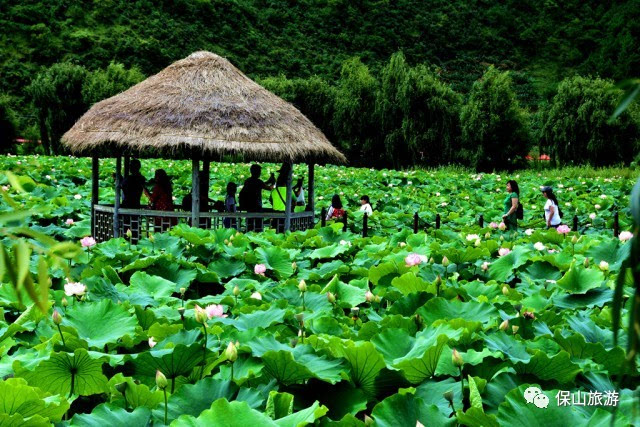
(201, 105)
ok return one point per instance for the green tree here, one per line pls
(577, 127)
(7, 125)
(494, 127)
(102, 84)
(57, 96)
(431, 123)
(357, 132)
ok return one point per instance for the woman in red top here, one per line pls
(335, 210)
(161, 198)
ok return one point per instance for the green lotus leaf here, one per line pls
(329, 252)
(432, 393)
(62, 371)
(17, 420)
(407, 410)
(476, 417)
(593, 298)
(325, 270)
(16, 397)
(579, 280)
(304, 417)
(613, 360)
(513, 349)
(559, 368)
(279, 405)
(276, 259)
(227, 267)
(504, 267)
(225, 414)
(109, 415)
(365, 363)
(258, 319)
(136, 394)
(100, 323)
(440, 308)
(154, 286)
(172, 362)
(290, 367)
(408, 283)
(347, 295)
(192, 399)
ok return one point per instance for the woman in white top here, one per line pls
(551, 208)
(365, 205)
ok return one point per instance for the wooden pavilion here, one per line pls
(200, 108)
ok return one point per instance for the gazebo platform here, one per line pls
(143, 222)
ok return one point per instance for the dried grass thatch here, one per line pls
(200, 106)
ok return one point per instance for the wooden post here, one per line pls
(205, 182)
(616, 224)
(437, 221)
(323, 217)
(287, 202)
(311, 204)
(365, 224)
(481, 221)
(116, 205)
(95, 189)
(575, 223)
(344, 220)
(416, 218)
(195, 192)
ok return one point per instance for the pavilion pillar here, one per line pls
(95, 188)
(287, 205)
(204, 184)
(116, 204)
(127, 160)
(195, 192)
(312, 199)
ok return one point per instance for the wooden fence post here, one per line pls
(575, 223)
(323, 217)
(616, 224)
(365, 224)
(416, 218)
(437, 221)
(481, 221)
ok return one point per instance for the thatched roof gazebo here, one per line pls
(200, 108)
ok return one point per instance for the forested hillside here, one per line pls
(539, 42)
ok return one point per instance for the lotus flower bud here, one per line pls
(477, 243)
(236, 291)
(485, 266)
(445, 262)
(161, 380)
(183, 291)
(505, 290)
(504, 325)
(226, 241)
(128, 233)
(294, 266)
(528, 315)
(293, 342)
(377, 298)
(487, 235)
(152, 238)
(56, 317)
(418, 321)
(331, 297)
(456, 358)
(604, 265)
(200, 314)
(431, 260)
(368, 421)
(231, 353)
(152, 342)
(302, 286)
(64, 302)
(586, 262)
(448, 395)
(574, 239)
(438, 280)
(502, 238)
(368, 296)
(515, 328)
(232, 237)
(299, 317)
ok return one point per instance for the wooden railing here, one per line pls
(142, 222)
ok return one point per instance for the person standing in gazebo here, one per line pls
(161, 199)
(250, 196)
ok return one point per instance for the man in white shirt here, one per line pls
(365, 205)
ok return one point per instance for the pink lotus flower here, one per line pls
(563, 229)
(69, 221)
(485, 266)
(74, 288)
(260, 269)
(625, 235)
(87, 242)
(504, 251)
(493, 225)
(502, 226)
(414, 259)
(214, 310)
(152, 342)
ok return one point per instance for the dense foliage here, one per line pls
(320, 326)
(369, 106)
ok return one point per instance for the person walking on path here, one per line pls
(511, 202)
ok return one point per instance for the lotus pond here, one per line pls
(323, 326)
